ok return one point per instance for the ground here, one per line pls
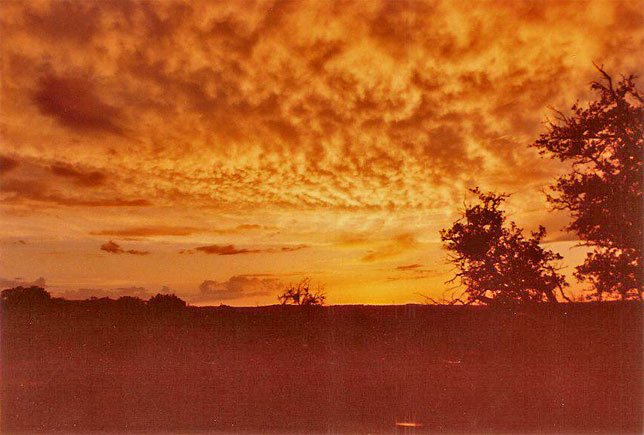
(79, 366)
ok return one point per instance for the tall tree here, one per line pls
(495, 262)
(603, 190)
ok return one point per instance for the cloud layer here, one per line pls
(393, 105)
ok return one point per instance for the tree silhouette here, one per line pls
(496, 263)
(302, 294)
(129, 304)
(166, 303)
(25, 296)
(603, 190)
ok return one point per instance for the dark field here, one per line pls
(80, 366)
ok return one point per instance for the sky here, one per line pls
(222, 150)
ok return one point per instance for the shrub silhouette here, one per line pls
(25, 296)
(496, 263)
(302, 294)
(166, 303)
(603, 192)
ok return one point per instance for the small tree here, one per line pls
(302, 294)
(603, 191)
(496, 263)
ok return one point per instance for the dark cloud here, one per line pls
(79, 177)
(115, 248)
(13, 242)
(7, 164)
(73, 102)
(288, 248)
(226, 250)
(236, 287)
(232, 250)
(18, 190)
(412, 272)
(409, 266)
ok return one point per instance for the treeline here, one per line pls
(37, 298)
(34, 298)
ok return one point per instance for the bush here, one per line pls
(166, 303)
(302, 294)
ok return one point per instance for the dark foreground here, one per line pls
(90, 366)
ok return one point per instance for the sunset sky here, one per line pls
(223, 149)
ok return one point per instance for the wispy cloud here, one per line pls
(115, 248)
(176, 231)
(409, 266)
(232, 250)
(80, 177)
(391, 248)
(412, 272)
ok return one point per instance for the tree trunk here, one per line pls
(551, 296)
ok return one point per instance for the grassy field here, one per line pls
(79, 366)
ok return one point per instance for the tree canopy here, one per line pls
(603, 192)
(495, 262)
